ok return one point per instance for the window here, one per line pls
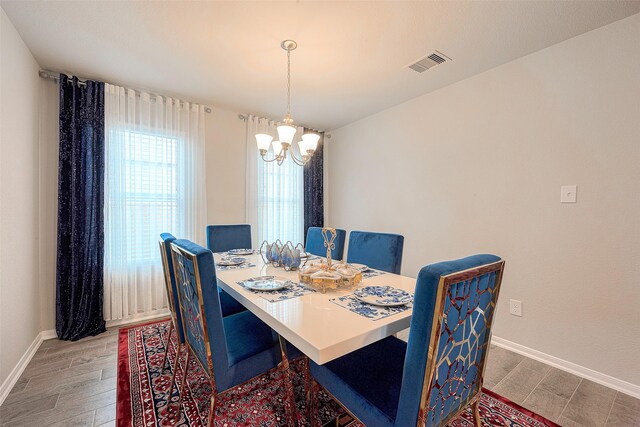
(154, 169)
(142, 193)
(280, 202)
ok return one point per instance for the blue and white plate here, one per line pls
(266, 283)
(359, 267)
(240, 252)
(384, 296)
(228, 261)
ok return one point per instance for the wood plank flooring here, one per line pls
(557, 395)
(66, 384)
(73, 384)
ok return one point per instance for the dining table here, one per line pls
(317, 323)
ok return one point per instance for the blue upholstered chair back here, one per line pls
(170, 282)
(200, 305)
(382, 251)
(453, 314)
(221, 238)
(315, 243)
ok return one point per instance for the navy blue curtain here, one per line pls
(79, 278)
(314, 189)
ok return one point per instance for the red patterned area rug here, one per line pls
(143, 398)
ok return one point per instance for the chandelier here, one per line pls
(286, 131)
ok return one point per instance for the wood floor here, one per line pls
(557, 395)
(73, 384)
(66, 384)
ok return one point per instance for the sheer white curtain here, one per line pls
(155, 182)
(275, 194)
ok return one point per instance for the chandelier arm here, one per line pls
(299, 162)
(264, 158)
(295, 158)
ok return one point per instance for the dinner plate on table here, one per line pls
(266, 283)
(240, 252)
(227, 262)
(359, 267)
(384, 296)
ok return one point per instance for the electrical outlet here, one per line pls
(515, 307)
(568, 194)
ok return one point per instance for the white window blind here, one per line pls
(148, 197)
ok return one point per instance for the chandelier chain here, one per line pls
(288, 83)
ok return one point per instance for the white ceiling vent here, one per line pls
(429, 61)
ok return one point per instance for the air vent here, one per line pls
(429, 61)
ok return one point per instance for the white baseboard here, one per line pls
(581, 371)
(49, 335)
(136, 318)
(14, 375)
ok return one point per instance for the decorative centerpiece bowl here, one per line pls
(286, 256)
(325, 275)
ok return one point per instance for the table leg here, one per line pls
(289, 398)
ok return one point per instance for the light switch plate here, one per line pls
(568, 194)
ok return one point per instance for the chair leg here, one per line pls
(184, 378)
(476, 413)
(313, 408)
(309, 395)
(289, 398)
(166, 346)
(212, 406)
(176, 365)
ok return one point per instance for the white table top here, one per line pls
(319, 328)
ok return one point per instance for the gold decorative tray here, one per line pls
(324, 275)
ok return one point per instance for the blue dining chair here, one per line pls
(221, 238)
(438, 373)
(231, 350)
(172, 296)
(315, 243)
(382, 251)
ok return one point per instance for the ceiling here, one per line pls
(350, 60)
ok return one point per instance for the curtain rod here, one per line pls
(50, 75)
(246, 116)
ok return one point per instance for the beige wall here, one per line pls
(226, 172)
(49, 142)
(19, 275)
(477, 167)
